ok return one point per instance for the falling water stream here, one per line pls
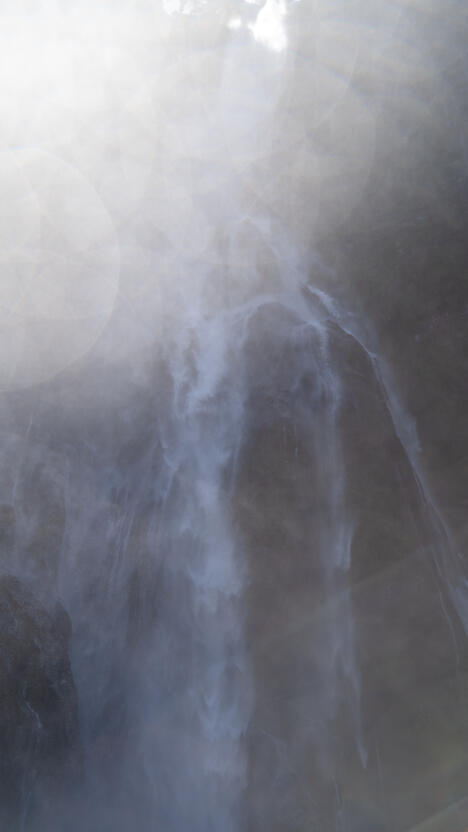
(205, 452)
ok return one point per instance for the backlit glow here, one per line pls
(269, 28)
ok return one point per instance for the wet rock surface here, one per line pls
(369, 654)
(39, 744)
(247, 474)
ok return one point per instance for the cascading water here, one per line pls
(205, 458)
(201, 770)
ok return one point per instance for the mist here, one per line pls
(233, 593)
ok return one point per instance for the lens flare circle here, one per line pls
(60, 262)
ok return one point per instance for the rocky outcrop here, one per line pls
(38, 705)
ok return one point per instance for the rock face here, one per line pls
(269, 599)
(354, 716)
(38, 705)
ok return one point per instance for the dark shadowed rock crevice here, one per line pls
(40, 754)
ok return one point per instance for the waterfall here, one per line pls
(231, 599)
